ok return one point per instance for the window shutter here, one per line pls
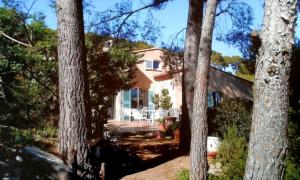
(150, 98)
(127, 98)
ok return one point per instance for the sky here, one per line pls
(173, 17)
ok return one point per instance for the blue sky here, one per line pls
(173, 18)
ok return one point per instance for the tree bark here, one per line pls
(73, 85)
(199, 129)
(268, 138)
(193, 33)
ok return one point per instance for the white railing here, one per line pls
(148, 115)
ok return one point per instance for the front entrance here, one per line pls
(136, 98)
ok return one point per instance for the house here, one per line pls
(152, 76)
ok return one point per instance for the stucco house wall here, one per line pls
(148, 80)
(230, 85)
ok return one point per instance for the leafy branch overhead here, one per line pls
(122, 21)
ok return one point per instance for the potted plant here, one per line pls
(161, 124)
(165, 103)
(175, 127)
(161, 127)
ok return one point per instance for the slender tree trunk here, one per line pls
(268, 138)
(193, 33)
(199, 130)
(73, 86)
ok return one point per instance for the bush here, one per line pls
(163, 100)
(183, 174)
(232, 155)
(47, 132)
(292, 171)
(293, 135)
(12, 136)
(231, 112)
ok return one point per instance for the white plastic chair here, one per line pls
(136, 115)
(133, 114)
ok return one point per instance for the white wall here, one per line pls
(117, 106)
(171, 86)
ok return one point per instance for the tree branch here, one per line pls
(19, 42)
(24, 22)
(129, 13)
(32, 74)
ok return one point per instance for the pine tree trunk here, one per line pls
(73, 86)
(268, 138)
(193, 33)
(199, 166)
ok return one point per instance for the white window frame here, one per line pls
(152, 63)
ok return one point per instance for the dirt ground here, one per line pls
(160, 158)
(165, 171)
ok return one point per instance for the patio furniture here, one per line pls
(136, 115)
(132, 114)
(144, 112)
(157, 114)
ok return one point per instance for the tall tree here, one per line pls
(193, 33)
(73, 86)
(199, 130)
(237, 35)
(268, 138)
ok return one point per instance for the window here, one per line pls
(148, 64)
(217, 98)
(155, 64)
(152, 64)
(214, 99)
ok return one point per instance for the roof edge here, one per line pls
(231, 74)
(149, 49)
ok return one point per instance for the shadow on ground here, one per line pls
(138, 152)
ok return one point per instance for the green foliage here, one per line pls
(218, 61)
(292, 170)
(155, 100)
(183, 174)
(243, 68)
(161, 121)
(294, 109)
(175, 125)
(28, 75)
(231, 112)
(249, 77)
(165, 99)
(109, 71)
(232, 155)
(139, 45)
(46, 132)
(11, 135)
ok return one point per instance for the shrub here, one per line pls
(292, 171)
(175, 125)
(183, 174)
(47, 132)
(232, 155)
(11, 135)
(231, 112)
(293, 135)
(163, 100)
